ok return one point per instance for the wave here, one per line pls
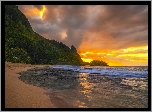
(128, 71)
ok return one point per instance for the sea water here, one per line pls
(127, 71)
(104, 87)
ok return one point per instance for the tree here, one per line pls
(17, 55)
(98, 63)
(73, 49)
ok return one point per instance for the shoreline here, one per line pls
(70, 89)
(18, 94)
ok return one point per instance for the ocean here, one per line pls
(103, 87)
(111, 71)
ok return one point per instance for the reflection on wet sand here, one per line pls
(87, 86)
(101, 93)
(83, 90)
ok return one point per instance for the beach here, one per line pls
(18, 94)
(43, 86)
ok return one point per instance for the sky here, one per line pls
(116, 34)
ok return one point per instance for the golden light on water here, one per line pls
(86, 85)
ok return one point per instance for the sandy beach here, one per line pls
(21, 95)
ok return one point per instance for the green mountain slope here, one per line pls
(24, 45)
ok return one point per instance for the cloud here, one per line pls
(91, 27)
(126, 25)
(124, 57)
(39, 7)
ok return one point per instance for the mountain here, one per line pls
(23, 45)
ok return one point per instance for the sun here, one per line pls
(42, 11)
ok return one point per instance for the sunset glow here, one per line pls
(42, 11)
(86, 59)
(95, 30)
(119, 57)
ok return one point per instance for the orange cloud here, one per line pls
(104, 35)
(132, 56)
(31, 11)
(42, 11)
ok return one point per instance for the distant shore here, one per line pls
(21, 95)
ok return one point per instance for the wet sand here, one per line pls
(77, 90)
(21, 95)
(69, 89)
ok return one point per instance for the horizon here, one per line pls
(115, 34)
(100, 66)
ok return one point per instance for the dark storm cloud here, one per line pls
(74, 37)
(126, 16)
(36, 20)
(126, 25)
(69, 19)
(119, 19)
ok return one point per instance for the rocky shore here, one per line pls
(59, 79)
(47, 77)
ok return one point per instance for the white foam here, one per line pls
(137, 72)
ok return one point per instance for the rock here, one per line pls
(49, 77)
(125, 86)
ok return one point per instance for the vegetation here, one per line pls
(98, 63)
(24, 45)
